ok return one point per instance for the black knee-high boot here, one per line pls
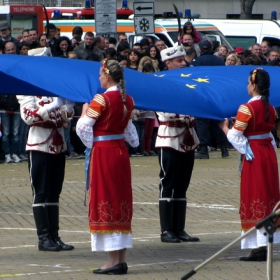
(53, 214)
(166, 221)
(180, 207)
(42, 225)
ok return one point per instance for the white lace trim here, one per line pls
(84, 129)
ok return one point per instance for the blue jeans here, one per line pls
(10, 131)
(23, 132)
(70, 148)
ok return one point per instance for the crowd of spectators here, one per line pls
(143, 56)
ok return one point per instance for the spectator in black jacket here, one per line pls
(5, 34)
(204, 126)
(207, 58)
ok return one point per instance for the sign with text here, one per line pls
(105, 16)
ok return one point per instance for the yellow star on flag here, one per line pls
(200, 80)
(191, 86)
(185, 75)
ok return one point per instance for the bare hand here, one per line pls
(224, 126)
(85, 108)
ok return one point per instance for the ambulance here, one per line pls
(166, 30)
(245, 33)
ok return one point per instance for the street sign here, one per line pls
(144, 24)
(105, 16)
(143, 8)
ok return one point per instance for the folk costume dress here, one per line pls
(259, 186)
(110, 193)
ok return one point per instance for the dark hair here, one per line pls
(93, 57)
(23, 43)
(148, 67)
(190, 51)
(261, 78)
(25, 30)
(268, 43)
(157, 57)
(185, 28)
(152, 38)
(128, 60)
(145, 42)
(111, 52)
(97, 40)
(121, 57)
(247, 53)
(33, 29)
(275, 62)
(123, 45)
(216, 45)
(58, 51)
(252, 60)
(112, 40)
(50, 26)
(89, 34)
(137, 44)
(1, 45)
(77, 31)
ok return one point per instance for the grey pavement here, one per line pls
(212, 215)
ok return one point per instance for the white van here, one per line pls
(204, 28)
(166, 30)
(245, 33)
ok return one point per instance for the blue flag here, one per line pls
(212, 92)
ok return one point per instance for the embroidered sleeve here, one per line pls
(242, 118)
(96, 107)
(29, 112)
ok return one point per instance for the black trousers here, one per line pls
(175, 172)
(46, 175)
(204, 128)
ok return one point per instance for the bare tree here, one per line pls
(246, 8)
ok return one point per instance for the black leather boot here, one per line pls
(180, 207)
(224, 151)
(166, 222)
(256, 256)
(202, 153)
(42, 226)
(53, 213)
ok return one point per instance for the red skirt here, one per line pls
(110, 194)
(259, 190)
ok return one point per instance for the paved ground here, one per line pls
(212, 215)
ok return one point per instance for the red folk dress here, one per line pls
(110, 193)
(259, 186)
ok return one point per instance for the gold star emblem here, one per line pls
(191, 86)
(185, 75)
(200, 80)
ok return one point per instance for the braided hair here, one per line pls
(261, 78)
(114, 69)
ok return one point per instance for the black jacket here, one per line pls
(208, 59)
